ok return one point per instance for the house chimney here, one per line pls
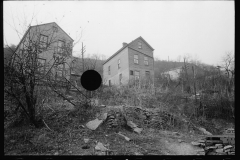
(124, 44)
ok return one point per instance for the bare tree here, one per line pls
(26, 70)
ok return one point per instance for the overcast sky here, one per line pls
(202, 29)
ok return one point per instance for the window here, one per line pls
(147, 73)
(131, 72)
(41, 65)
(139, 45)
(60, 70)
(137, 75)
(43, 41)
(120, 78)
(60, 46)
(119, 64)
(146, 61)
(109, 71)
(136, 59)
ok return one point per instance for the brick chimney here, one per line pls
(124, 44)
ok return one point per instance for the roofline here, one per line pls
(57, 25)
(115, 53)
(140, 52)
(20, 42)
(127, 46)
(145, 42)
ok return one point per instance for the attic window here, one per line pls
(60, 47)
(139, 45)
(109, 71)
(119, 64)
(55, 29)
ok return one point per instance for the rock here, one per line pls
(100, 147)
(103, 116)
(94, 124)
(86, 140)
(56, 153)
(131, 124)
(219, 150)
(231, 153)
(195, 143)
(180, 141)
(201, 141)
(12, 141)
(228, 147)
(219, 145)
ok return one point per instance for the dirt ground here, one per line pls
(68, 140)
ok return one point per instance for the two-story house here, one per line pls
(45, 42)
(134, 61)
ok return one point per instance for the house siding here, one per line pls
(53, 37)
(127, 63)
(145, 48)
(113, 63)
(140, 66)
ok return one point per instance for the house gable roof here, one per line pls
(56, 25)
(126, 47)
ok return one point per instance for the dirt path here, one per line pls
(181, 148)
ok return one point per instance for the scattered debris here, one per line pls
(127, 139)
(103, 116)
(100, 147)
(86, 140)
(176, 133)
(56, 153)
(138, 130)
(195, 143)
(134, 127)
(138, 154)
(204, 131)
(180, 141)
(219, 145)
(228, 147)
(94, 124)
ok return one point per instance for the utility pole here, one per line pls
(83, 51)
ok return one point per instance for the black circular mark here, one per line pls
(91, 80)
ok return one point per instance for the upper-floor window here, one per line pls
(146, 61)
(119, 64)
(109, 70)
(136, 59)
(139, 45)
(43, 41)
(41, 65)
(137, 75)
(60, 46)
